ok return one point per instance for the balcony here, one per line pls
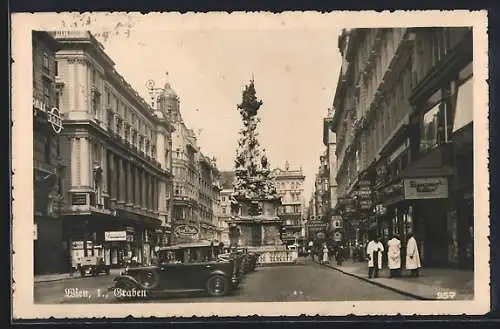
(44, 167)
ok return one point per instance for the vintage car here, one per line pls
(92, 265)
(184, 268)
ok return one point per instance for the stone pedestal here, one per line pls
(256, 231)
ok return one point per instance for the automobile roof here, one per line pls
(198, 244)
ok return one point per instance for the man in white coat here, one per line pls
(374, 251)
(394, 256)
(412, 256)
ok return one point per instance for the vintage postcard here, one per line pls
(201, 164)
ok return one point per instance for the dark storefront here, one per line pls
(116, 238)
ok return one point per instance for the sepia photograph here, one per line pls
(249, 164)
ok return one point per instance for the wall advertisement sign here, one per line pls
(426, 188)
(54, 116)
(186, 230)
(115, 236)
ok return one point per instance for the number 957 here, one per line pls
(446, 294)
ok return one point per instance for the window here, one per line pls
(96, 100)
(45, 62)
(429, 129)
(48, 151)
(108, 99)
(109, 118)
(46, 93)
(464, 104)
(93, 77)
(56, 68)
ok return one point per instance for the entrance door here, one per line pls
(435, 239)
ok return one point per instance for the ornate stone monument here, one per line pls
(254, 220)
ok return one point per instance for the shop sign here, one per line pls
(186, 230)
(337, 237)
(35, 232)
(365, 204)
(426, 188)
(115, 236)
(344, 201)
(54, 116)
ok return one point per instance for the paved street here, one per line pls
(281, 283)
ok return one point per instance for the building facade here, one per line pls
(403, 120)
(196, 190)
(50, 248)
(117, 151)
(226, 180)
(290, 186)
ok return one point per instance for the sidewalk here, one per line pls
(67, 276)
(432, 284)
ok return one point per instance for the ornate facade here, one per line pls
(290, 186)
(196, 188)
(118, 154)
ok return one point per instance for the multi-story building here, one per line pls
(329, 172)
(226, 180)
(403, 120)
(117, 152)
(290, 186)
(196, 188)
(50, 248)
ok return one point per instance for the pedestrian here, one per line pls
(412, 256)
(374, 251)
(394, 256)
(311, 249)
(325, 253)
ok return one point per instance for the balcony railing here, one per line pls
(277, 257)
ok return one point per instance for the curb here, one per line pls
(74, 277)
(399, 291)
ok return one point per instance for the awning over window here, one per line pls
(464, 106)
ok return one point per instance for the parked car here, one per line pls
(190, 267)
(92, 265)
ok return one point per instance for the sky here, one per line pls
(295, 67)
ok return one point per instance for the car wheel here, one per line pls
(82, 273)
(148, 279)
(217, 285)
